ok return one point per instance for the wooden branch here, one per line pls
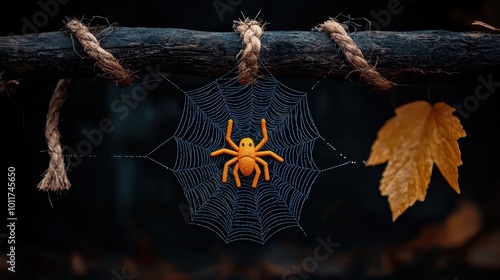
(403, 57)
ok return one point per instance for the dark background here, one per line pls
(125, 213)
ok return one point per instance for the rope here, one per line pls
(104, 59)
(251, 31)
(354, 55)
(55, 177)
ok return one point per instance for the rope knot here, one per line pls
(354, 55)
(104, 59)
(251, 31)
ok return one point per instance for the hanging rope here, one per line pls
(251, 31)
(354, 56)
(55, 177)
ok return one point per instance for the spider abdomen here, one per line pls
(246, 165)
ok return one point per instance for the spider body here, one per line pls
(246, 156)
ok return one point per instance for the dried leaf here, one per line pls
(411, 142)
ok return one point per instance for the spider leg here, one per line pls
(266, 167)
(257, 175)
(226, 166)
(228, 135)
(269, 153)
(264, 135)
(236, 176)
(224, 151)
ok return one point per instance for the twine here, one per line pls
(104, 59)
(251, 32)
(55, 177)
(354, 55)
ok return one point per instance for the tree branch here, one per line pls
(402, 57)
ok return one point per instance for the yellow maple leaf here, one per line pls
(412, 141)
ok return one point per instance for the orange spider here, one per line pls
(246, 156)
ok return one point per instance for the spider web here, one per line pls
(245, 213)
